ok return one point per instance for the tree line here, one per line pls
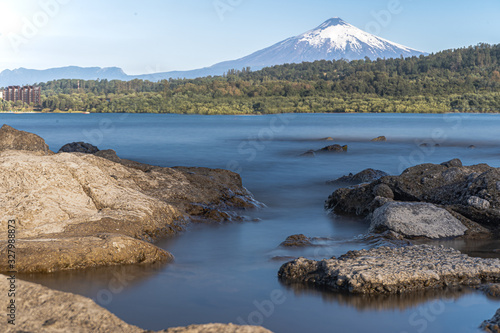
(460, 80)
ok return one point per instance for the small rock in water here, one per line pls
(297, 241)
(379, 139)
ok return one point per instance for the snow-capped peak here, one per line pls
(337, 35)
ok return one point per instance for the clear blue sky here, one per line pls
(161, 35)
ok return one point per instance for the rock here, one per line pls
(81, 210)
(471, 147)
(384, 191)
(79, 147)
(40, 309)
(386, 270)
(296, 241)
(416, 220)
(327, 139)
(12, 139)
(333, 149)
(492, 325)
(379, 139)
(449, 185)
(367, 175)
(108, 154)
(491, 289)
(309, 153)
(478, 203)
(454, 163)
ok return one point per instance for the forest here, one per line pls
(460, 80)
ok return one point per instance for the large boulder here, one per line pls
(386, 270)
(415, 219)
(40, 309)
(471, 191)
(13, 139)
(333, 149)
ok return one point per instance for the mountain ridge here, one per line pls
(334, 39)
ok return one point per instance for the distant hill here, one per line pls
(333, 40)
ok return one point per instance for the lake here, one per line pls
(228, 272)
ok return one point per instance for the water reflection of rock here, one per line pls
(380, 302)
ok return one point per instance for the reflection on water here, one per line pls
(224, 273)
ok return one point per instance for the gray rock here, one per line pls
(309, 153)
(367, 175)
(387, 270)
(478, 202)
(416, 220)
(79, 147)
(12, 139)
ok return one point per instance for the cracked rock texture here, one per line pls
(75, 210)
(40, 309)
(387, 270)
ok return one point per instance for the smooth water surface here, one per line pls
(228, 272)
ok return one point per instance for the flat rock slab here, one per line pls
(40, 309)
(416, 219)
(387, 270)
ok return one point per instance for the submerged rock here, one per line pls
(296, 241)
(81, 210)
(387, 270)
(367, 175)
(416, 220)
(40, 309)
(309, 153)
(79, 147)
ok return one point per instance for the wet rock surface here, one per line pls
(386, 270)
(40, 309)
(70, 204)
(470, 192)
(333, 149)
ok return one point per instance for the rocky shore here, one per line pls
(40, 309)
(464, 200)
(78, 210)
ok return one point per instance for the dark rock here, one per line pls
(333, 149)
(379, 139)
(491, 289)
(296, 241)
(492, 325)
(13, 139)
(309, 153)
(384, 191)
(78, 147)
(367, 175)
(108, 154)
(471, 147)
(454, 163)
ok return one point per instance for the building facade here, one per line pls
(26, 94)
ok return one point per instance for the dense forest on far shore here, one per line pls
(461, 80)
